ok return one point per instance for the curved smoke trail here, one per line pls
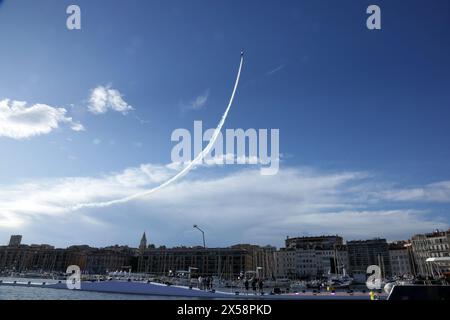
(185, 170)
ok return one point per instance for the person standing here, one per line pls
(254, 285)
(211, 281)
(208, 283)
(261, 286)
(246, 285)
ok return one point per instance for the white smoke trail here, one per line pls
(185, 170)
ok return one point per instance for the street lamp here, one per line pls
(203, 234)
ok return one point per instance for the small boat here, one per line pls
(339, 281)
(314, 284)
(278, 283)
(419, 292)
(298, 286)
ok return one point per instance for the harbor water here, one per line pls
(30, 293)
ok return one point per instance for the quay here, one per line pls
(158, 289)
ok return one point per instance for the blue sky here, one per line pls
(363, 118)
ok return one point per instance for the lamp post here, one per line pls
(203, 234)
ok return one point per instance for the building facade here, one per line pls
(364, 253)
(301, 258)
(430, 245)
(312, 257)
(401, 259)
(15, 241)
(45, 258)
(227, 263)
(320, 241)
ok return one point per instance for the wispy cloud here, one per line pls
(106, 98)
(197, 103)
(275, 70)
(262, 209)
(19, 121)
(433, 192)
(141, 121)
(222, 159)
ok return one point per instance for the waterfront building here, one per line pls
(312, 257)
(110, 259)
(321, 241)
(430, 245)
(332, 260)
(401, 258)
(311, 263)
(15, 241)
(263, 259)
(364, 253)
(228, 263)
(302, 257)
(35, 257)
(297, 263)
(45, 258)
(286, 266)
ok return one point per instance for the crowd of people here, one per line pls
(205, 283)
(257, 285)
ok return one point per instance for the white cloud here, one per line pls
(144, 175)
(104, 98)
(77, 126)
(220, 160)
(19, 121)
(433, 192)
(198, 103)
(241, 206)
